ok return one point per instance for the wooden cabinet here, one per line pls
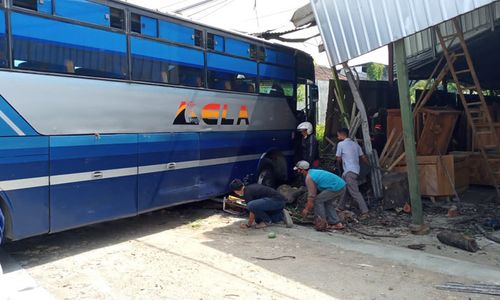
(437, 174)
(394, 121)
(486, 139)
(478, 169)
(437, 130)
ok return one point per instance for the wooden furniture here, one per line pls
(437, 131)
(486, 138)
(394, 121)
(437, 176)
(478, 171)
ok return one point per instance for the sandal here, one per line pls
(364, 216)
(261, 225)
(338, 226)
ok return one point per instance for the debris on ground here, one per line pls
(458, 240)
(416, 246)
(488, 289)
(487, 235)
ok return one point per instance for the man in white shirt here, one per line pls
(349, 153)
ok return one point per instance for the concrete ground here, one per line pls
(197, 252)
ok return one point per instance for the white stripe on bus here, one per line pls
(87, 176)
(195, 163)
(25, 183)
(17, 184)
(11, 124)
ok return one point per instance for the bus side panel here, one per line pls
(93, 178)
(24, 171)
(167, 172)
(229, 155)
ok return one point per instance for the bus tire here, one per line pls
(266, 174)
(2, 226)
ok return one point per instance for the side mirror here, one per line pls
(313, 93)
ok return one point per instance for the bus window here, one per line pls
(144, 25)
(154, 61)
(3, 41)
(41, 6)
(28, 4)
(277, 88)
(180, 34)
(279, 57)
(84, 11)
(135, 23)
(238, 48)
(215, 42)
(117, 18)
(75, 49)
(229, 73)
(276, 81)
(256, 52)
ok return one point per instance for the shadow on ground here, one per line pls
(44, 249)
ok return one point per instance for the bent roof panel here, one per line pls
(351, 28)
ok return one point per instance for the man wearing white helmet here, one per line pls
(309, 144)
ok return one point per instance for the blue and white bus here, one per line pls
(109, 110)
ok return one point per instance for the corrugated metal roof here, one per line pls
(424, 45)
(351, 28)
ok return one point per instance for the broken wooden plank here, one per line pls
(458, 240)
(389, 141)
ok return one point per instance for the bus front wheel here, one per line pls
(266, 174)
(2, 225)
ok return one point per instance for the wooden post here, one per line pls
(408, 132)
(339, 94)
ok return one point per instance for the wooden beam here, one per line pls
(339, 94)
(408, 132)
(361, 107)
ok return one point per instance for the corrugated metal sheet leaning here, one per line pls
(351, 28)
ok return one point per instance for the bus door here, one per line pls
(93, 178)
(168, 172)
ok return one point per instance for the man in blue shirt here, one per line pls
(324, 189)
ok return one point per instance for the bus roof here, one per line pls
(197, 23)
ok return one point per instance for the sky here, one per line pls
(253, 16)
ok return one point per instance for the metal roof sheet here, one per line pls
(351, 28)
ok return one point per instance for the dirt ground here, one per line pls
(196, 251)
(475, 207)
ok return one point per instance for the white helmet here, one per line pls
(305, 126)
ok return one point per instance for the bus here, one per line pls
(109, 110)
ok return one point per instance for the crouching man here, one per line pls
(265, 204)
(324, 190)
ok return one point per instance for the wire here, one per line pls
(195, 5)
(256, 13)
(227, 2)
(269, 15)
(176, 2)
(207, 8)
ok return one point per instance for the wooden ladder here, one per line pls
(477, 112)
